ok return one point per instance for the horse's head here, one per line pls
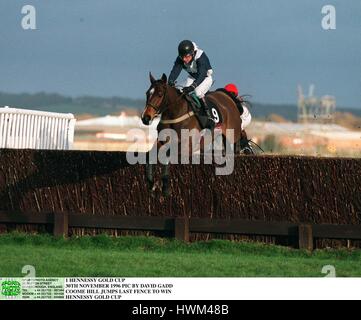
(156, 101)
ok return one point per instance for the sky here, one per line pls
(107, 48)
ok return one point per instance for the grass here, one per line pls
(159, 257)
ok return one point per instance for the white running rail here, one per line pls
(29, 129)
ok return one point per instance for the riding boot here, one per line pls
(210, 123)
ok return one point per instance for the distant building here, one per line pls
(313, 109)
(308, 138)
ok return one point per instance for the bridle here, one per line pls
(159, 109)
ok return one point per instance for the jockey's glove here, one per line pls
(189, 89)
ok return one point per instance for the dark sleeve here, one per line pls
(176, 70)
(203, 66)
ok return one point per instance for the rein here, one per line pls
(176, 120)
(164, 106)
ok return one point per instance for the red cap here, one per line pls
(231, 88)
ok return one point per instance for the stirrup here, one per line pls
(210, 123)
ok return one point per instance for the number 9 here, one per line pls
(215, 115)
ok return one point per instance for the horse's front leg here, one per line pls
(165, 179)
(150, 167)
(149, 173)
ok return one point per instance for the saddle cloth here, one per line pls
(197, 107)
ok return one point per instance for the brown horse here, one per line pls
(171, 104)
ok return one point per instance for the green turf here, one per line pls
(153, 257)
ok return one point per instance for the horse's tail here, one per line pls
(246, 101)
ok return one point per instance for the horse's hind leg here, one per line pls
(244, 145)
(227, 147)
(236, 148)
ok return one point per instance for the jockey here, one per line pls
(245, 114)
(195, 61)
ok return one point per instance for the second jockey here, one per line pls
(243, 110)
(245, 115)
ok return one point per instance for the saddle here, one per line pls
(197, 107)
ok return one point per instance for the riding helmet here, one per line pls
(185, 47)
(230, 87)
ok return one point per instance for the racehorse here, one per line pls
(176, 113)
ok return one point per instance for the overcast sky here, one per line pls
(108, 47)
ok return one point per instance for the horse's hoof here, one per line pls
(247, 151)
